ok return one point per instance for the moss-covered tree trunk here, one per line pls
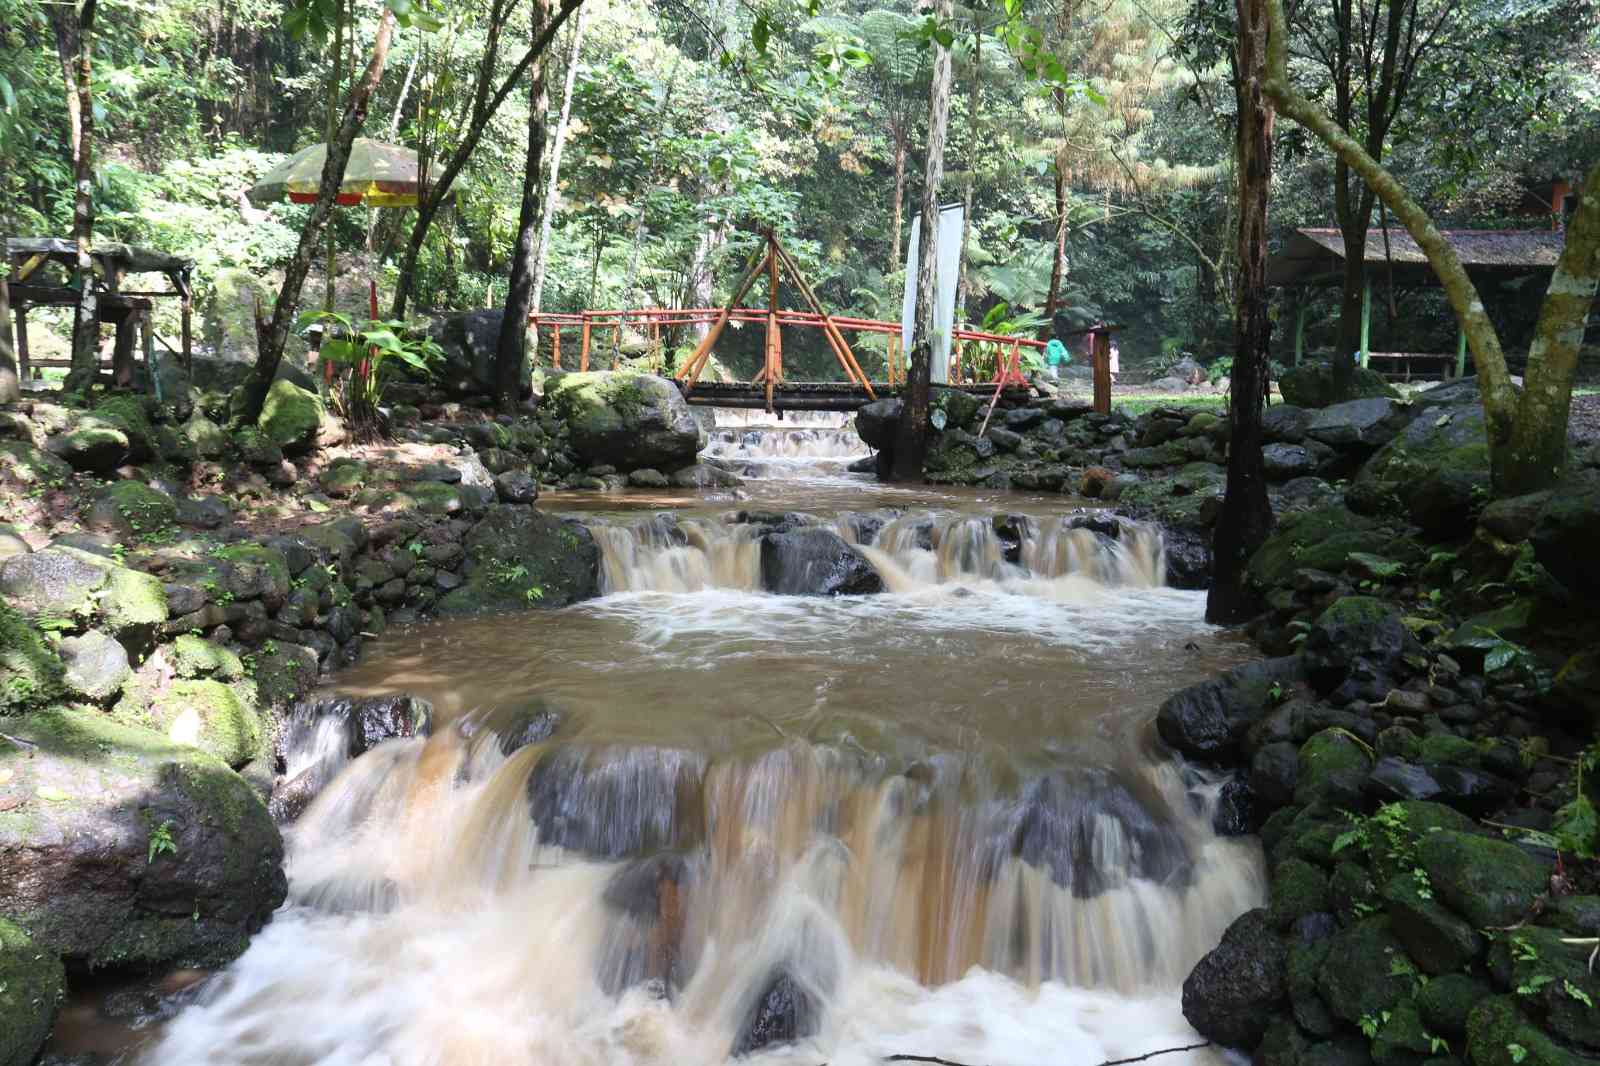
(552, 190)
(512, 351)
(1538, 449)
(1246, 516)
(273, 334)
(911, 441)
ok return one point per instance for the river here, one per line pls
(932, 821)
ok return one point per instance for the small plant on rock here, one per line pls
(366, 357)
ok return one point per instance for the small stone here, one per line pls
(96, 665)
(518, 486)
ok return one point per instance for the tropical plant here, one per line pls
(365, 358)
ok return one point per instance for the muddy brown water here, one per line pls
(692, 820)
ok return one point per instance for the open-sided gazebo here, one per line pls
(1315, 257)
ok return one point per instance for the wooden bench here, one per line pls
(1439, 365)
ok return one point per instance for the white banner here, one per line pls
(946, 267)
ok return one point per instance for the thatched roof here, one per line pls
(1315, 256)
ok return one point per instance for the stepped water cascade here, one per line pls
(815, 444)
(698, 820)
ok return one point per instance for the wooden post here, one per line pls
(147, 343)
(23, 358)
(1461, 354)
(1366, 322)
(583, 354)
(1300, 330)
(123, 349)
(841, 349)
(187, 346)
(1100, 347)
(616, 345)
(893, 356)
(555, 345)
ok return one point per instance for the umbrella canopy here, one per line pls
(378, 175)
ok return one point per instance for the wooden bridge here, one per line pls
(998, 355)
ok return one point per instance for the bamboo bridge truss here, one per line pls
(771, 389)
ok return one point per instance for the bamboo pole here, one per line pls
(773, 370)
(555, 345)
(842, 348)
(583, 355)
(691, 370)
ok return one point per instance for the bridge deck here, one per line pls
(811, 395)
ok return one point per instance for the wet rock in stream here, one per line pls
(784, 1013)
(815, 562)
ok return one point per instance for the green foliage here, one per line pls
(161, 842)
(367, 357)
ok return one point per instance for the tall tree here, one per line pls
(10, 382)
(1246, 516)
(273, 334)
(1527, 434)
(911, 441)
(1371, 52)
(75, 32)
(512, 353)
(552, 192)
(484, 105)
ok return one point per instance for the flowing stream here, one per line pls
(693, 820)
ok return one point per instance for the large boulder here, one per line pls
(27, 467)
(519, 557)
(119, 847)
(470, 341)
(1436, 471)
(93, 445)
(1209, 720)
(62, 582)
(1321, 538)
(1359, 642)
(878, 422)
(1492, 882)
(1230, 995)
(815, 562)
(1358, 424)
(626, 421)
(1311, 385)
(291, 416)
(32, 983)
(1567, 532)
(225, 375)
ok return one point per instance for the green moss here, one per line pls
(133, 600)
(196, 657)
(1491, 882)
(1298, 889)
(1444, 748)
(435, 497)
(291, 415)
(1439, 940)
(271, 560)
(1446, 1001)
(32, 983)
(128, 414)
(1361, 978)
(25, 465)
(1324, 755)
(30, 670)
(1498, 1034)
(211, 716)
(145, 510)
(1318, 539)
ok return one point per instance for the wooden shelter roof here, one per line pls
(131, 258)
(1315, 256)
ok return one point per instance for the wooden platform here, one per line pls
(813, 396)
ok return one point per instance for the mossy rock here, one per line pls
(1311, 385)
(1447, 1000)
(256, 569)
(1443, 748)
(65, 583)
(133, 602)
(94, 446)
(514, 551)
(1499, 1034)
(626, 421)
(1490, 882)
(1436, 472)
(23, 464)
(285, 673)
(77, 866)
(1351, 890)
(195, 657)
(128, 414)
(30, 670)
(1552, 980)
(203, 437)
(32, 984)
(1401, 1040)
(1298, 889)
(291, 416)
(211, 716)
(344, 478)
(1361, 978)
(1319, 539)
(1393, 851)
(132, 508)
(1330, 754)
(436, 497)
(1439, 940)
(1306, 961)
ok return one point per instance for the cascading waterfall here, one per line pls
(910, 551)
(696, 821)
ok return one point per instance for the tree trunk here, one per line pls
(335, 84)
(512, 353)
(65, 21)
(972, 169)
(1350, 295)
(1052, 301)
(552, 192)
(428, 206)
(899, 196)
(1246, 516)
(272, 335)
(86, 320)
(1538, 452)
(911, 441)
